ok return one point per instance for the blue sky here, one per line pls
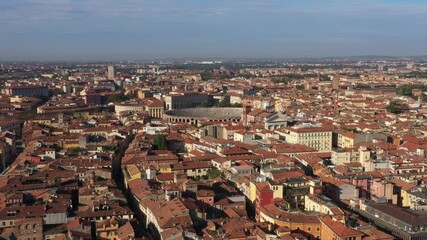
(146, 29)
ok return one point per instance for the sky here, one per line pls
(50, 30)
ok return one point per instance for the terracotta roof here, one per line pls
(338, 228)
(274, 212)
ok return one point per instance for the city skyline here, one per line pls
(306, 149)
(111, 30)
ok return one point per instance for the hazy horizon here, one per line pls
(100, 30)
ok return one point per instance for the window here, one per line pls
(309, 229)
(318, 229)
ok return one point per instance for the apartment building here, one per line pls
(312, 135)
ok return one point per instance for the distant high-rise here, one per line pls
(381, 67)
(335, 83)
(111, 73)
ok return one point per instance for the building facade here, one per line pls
(111, 73)
(314, 136)
(28, 91)
(186, 100)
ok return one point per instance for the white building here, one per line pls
(111, 73)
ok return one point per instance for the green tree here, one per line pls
(325, 77)
(41, 97)
(223, 76)
(109, 148)
(160, 142)
(246, 75)
(206, 75)
(119, 98)
(308, 170)
(100, 109)
(95, 138)
(223, 103)
(29, 114)
(284, 80)
(213, 173)
(228, 104)
(75, 151)
(300, 87)
(396, 107)
(205, 105)
(406, 89)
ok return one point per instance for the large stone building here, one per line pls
(194, 116)
(309, 225)
(402, 223)
(152, 106)
(10, 125)
(129, 107)
(186, 100)
(29, 228)
(27, 91)
(312, 135)
(345, 139)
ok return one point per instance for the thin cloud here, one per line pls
(180, 27)
(24, 10)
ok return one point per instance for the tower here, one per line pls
(419, 94)
(246, 110)
(60, 118)
(111, 73)
(335, 83)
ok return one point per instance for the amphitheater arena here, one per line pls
(194, 115)
(128, 107)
